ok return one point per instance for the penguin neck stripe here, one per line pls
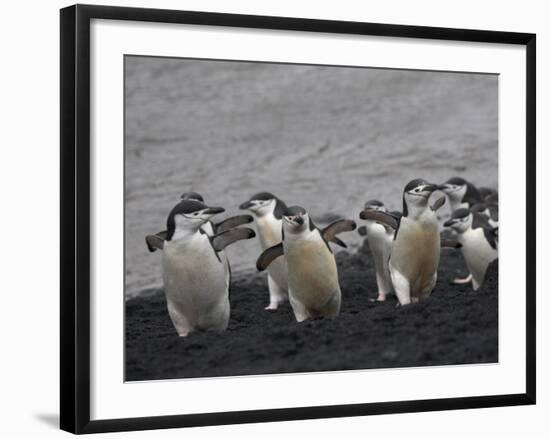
(418, 195)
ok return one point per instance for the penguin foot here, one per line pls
(272, 307)
(465, 280)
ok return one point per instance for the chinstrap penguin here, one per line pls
(268, 211)
(414, 256)
(461, 194)
(479, 242)
(196, 279)
(380, 237)
(314, 290)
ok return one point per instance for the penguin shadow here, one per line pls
(49, 419)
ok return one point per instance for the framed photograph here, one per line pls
(284, 218)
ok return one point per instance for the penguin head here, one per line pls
(460, 221)
(261, 203)
(416, 195)
(192, 196)
(188, 215)
(295, 220)
(375, 205)
(455, 188)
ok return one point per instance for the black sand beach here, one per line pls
(454, 326)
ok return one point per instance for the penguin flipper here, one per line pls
(396, 214)
(232, 222)
(480, 221)
(491, 235)
(450, 243)
(340, 226)
(339, 242)
(268, 256)
(438, 203)
(223, 239)
(156, 241)
(383, 218)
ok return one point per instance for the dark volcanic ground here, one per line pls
(454, 326)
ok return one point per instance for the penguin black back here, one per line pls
(480, 221)
(472, 195)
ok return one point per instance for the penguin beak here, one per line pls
(246, 205)
(449, 223)
(430, 187)
(213, 210)
(294, 219)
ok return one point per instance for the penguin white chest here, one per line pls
(207, 227)
(312, 273)
(477, 253)
(415, 252)
(269, 230)
(270, 233)
(195, 282)
(379, 240)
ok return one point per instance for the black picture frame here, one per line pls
(75, 217)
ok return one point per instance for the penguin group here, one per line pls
(298, 257)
